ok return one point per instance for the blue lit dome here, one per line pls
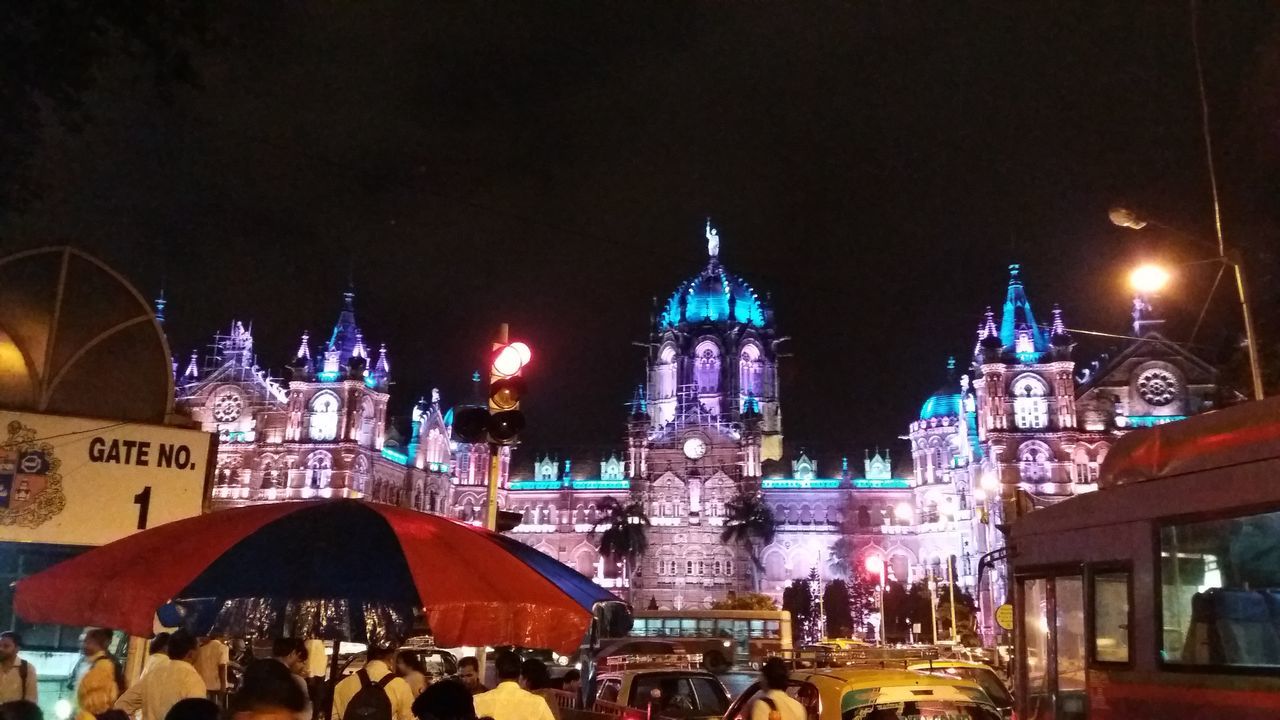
(714, 295)
(947, 401)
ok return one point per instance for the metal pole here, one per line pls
(951, 589)
(491, 509)
(1250, 340)
(933, 605)
(882, 581)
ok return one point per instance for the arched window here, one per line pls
(324, 416)
(717, 567)
(368, 423)
(864, 516)
(728, 567)
(1030, 407)
(750, 372)
(1034, 458)
(706, 371)
(688, 567)
(319, 466)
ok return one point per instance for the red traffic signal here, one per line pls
(509, 360)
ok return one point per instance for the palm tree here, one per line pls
(625, 536)
(750, 524)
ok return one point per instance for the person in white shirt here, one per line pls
(17, 677)
(509, 701)
(157, 654)
(376, 668)
(774, 676)
(211, 660)
(162, 688)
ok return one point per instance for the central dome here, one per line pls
(713, 295)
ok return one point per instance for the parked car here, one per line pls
(851, 693)
(977, 672)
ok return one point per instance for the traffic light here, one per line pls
(506, 388)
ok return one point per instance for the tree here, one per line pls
(751, 525)
(626, 534)
(797, 599)
(841, 563)
(862, 603)
(839, 611)
(746, 601)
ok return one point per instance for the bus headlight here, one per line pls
(562, 660)
(62, 709)
(727, 643)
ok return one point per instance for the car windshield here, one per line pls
(985, 677)
(922, 710)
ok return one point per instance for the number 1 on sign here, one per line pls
(143, 501)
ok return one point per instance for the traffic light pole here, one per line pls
(495, 457)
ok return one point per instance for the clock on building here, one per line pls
(227, 406)
(695, 448)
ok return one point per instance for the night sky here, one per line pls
(873, 165)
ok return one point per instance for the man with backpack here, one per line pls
(373, 692)
(774, 703)
(102, 678)
(17, 677)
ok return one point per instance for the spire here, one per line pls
(193, 371)
(1018, 329)
(381, 367)
(304, 347)
(358, 350)
(160, 303)
(639, 406)
(1059, 328)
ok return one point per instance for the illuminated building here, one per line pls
(1032, 428)
(322, 432)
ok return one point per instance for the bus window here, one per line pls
(1068, 594)
(1035, 608)
(1220, 583)
(1110, 597)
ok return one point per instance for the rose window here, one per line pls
(227, 407)
(1157, 386)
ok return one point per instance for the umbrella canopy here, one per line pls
(477, 587)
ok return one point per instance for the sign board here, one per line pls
(1004, 616)
(80, 481)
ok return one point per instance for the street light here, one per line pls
(1148, 279)
(1126, 218)
(903, 512)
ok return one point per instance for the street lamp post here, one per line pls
(1149, 278)
(951, 591)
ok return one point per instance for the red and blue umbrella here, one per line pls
(476, 587)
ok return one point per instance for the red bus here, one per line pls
(1158, 596)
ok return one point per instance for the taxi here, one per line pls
(641, 687)
(877, 694)
(975, 671)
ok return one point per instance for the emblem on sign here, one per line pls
(30, 485)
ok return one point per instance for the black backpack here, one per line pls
(371, 702)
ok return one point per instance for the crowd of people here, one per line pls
(187, 678)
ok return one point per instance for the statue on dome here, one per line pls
(713, 241)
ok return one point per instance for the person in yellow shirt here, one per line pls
(99, 687)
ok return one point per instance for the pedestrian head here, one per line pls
(469, 672)
(774, 673)
(20, 710)
(95, 640)
(160, 644)
(182, 645)
(507, 665)
(534, 674)
(445, 700)
(385, 653)
(267, 689)
(290, 651)
(408, 661)
(572, 681)
(193, 709)
(10, 644)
